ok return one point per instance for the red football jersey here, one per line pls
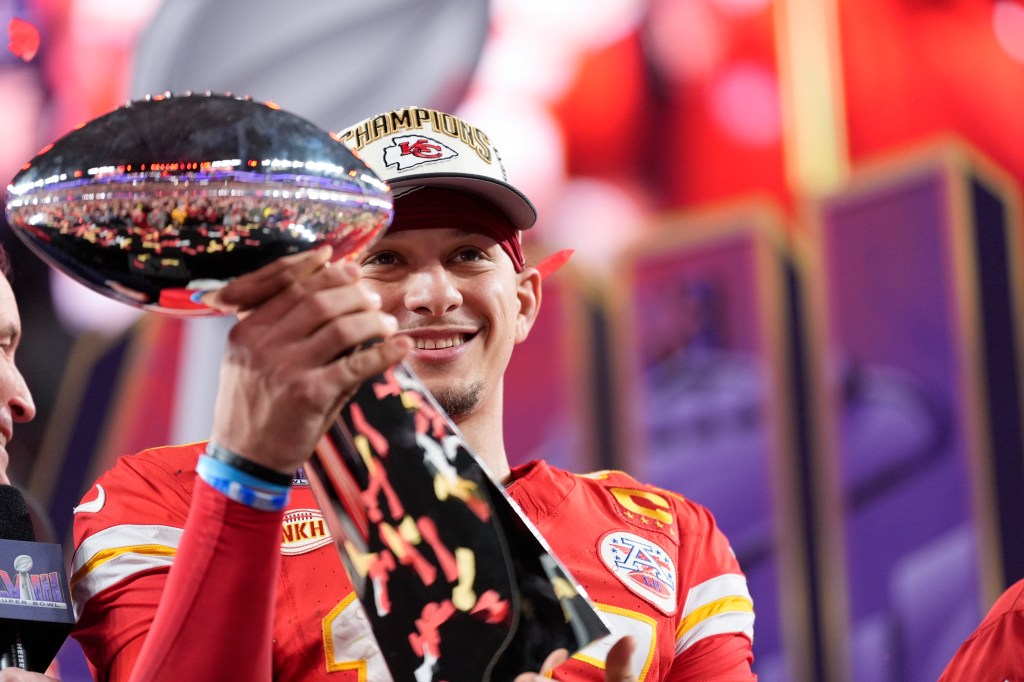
(995, 650)
(654, 564)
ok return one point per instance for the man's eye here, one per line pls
(383, 258)
(469, 255)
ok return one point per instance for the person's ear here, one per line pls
(528, 293)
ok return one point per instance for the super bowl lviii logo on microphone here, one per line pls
(25, 588)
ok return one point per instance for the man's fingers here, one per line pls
(554, 659)
(357, 367)
(349, 372)
(338, 337)
(619, 664)
(306, 304)
(326, 297)
(253, 288)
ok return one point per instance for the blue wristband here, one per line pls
(242, 487)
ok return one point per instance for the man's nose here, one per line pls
(23, 408)
(432, 291)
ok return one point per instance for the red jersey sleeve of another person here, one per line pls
(995, 650)
(656, 567)
(127, 531)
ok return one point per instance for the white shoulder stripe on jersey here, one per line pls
(114, 554)
(719, 587)
(125, 535)
(738, 622)
(716, 606)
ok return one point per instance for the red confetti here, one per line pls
(550, 264)
(24, 39)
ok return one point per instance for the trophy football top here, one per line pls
(170, 196)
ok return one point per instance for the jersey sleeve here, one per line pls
(127, 531)
(714, 638)
(159, 575)
(995, 650)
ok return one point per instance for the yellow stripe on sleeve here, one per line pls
(720, 605)
(715, 608)
(103, 556)
(110, 556)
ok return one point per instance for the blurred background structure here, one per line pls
(796, 294)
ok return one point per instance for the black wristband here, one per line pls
(222, 454)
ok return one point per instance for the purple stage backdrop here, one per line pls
(918, 289)
(706, 412)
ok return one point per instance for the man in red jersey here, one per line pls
(178, 576)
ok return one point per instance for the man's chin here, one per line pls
(458, 402)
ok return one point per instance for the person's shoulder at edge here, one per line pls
(1012, 600)
(998, 641)
(135, 482)
(540, 469)
(552, 484)
(176, 460)
(618, 480)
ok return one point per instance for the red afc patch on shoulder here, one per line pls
(303, 530)
(643, 566)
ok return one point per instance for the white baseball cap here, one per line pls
(415, 147)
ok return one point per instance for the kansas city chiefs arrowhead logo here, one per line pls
(409, 151)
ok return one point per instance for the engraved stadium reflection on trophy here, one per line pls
(208, 188)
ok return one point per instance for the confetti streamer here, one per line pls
(24, 39)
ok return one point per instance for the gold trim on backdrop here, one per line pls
(812, 95)
(760, 223)
(133, 393)
(963, 274)
(965, 166)
(74, 385)
(583, 391)
(957, 164)
(575, 349)
(826, 478)
(78, 376)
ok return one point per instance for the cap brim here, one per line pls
(516, 207)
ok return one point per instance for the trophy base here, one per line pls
(456, 583)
